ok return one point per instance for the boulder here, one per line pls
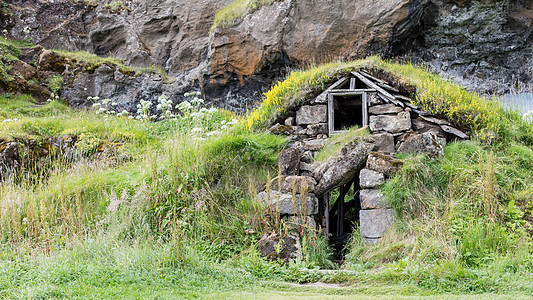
(372, 199)
(286, 204)
(300, 222)
(384, 109)
(311, 114)
(276, 247)
(375, 222)
(382, 163)
(392, 124)
(427, 143)
(314, 144)
(420, 125)
(320, 99)
(454, 131)
(9, 158)
(289, 121)
(370, 179)
(289, 161)
(290, 183)
(384, 142)
(316, 129)
(344, 170)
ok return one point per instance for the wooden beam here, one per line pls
(338, 83)
(326, 215)
(352, 83)
(365, 109)
(373, 85)
(388, 87)
(351, 90)
(366, 74)
(331, 115)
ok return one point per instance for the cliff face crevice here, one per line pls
(483, 44)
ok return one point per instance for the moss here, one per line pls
(55, 83)
(117, 7)
(236, 11)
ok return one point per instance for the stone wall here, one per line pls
(394, 126)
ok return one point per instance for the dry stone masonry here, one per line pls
(366, 163)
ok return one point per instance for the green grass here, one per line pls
(167, 211)
(237, 10)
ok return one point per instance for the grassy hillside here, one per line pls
(164, 209)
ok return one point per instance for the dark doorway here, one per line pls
(348, 111)
(343, 215)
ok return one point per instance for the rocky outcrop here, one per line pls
(485, 45)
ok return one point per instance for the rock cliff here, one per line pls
(483, 44)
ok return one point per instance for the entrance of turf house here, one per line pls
(344, 166)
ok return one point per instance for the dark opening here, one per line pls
(343, 215)
(348, 111)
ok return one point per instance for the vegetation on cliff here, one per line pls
(166, 208)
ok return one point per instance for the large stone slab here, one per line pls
(384, 142)
(420, 125)
(314, 144)
(370, 179)
(393, 124)
(426, 142)
(384, 109)
(289, 161)
(372, 199)
(312, 114)
(275, 247)
(382, 163)
(344, 170)
(293, 183)
(286, 204)
(316, 129)
(375, 222)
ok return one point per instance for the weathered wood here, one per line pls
(400, 97)
(365, 109)
(388, 87)
(352, 83)
(331, 115)
(351, 90)
(339, 82)
(373, 85)
(349, 93)
(387, 100)
(326, 215)
(365, 73)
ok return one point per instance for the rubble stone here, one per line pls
(370, 179)
(311, 114)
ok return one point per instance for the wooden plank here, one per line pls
(365, 73)
(352, 83)
(388, 87)
(326, 214)
(337, 84)
(400, 97)
(331, 115)
(351, 90)
(373, 85)
(365, 109)
(387, 100)
(346, 93)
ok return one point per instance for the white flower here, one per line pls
(213, 110)
(196, 129)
